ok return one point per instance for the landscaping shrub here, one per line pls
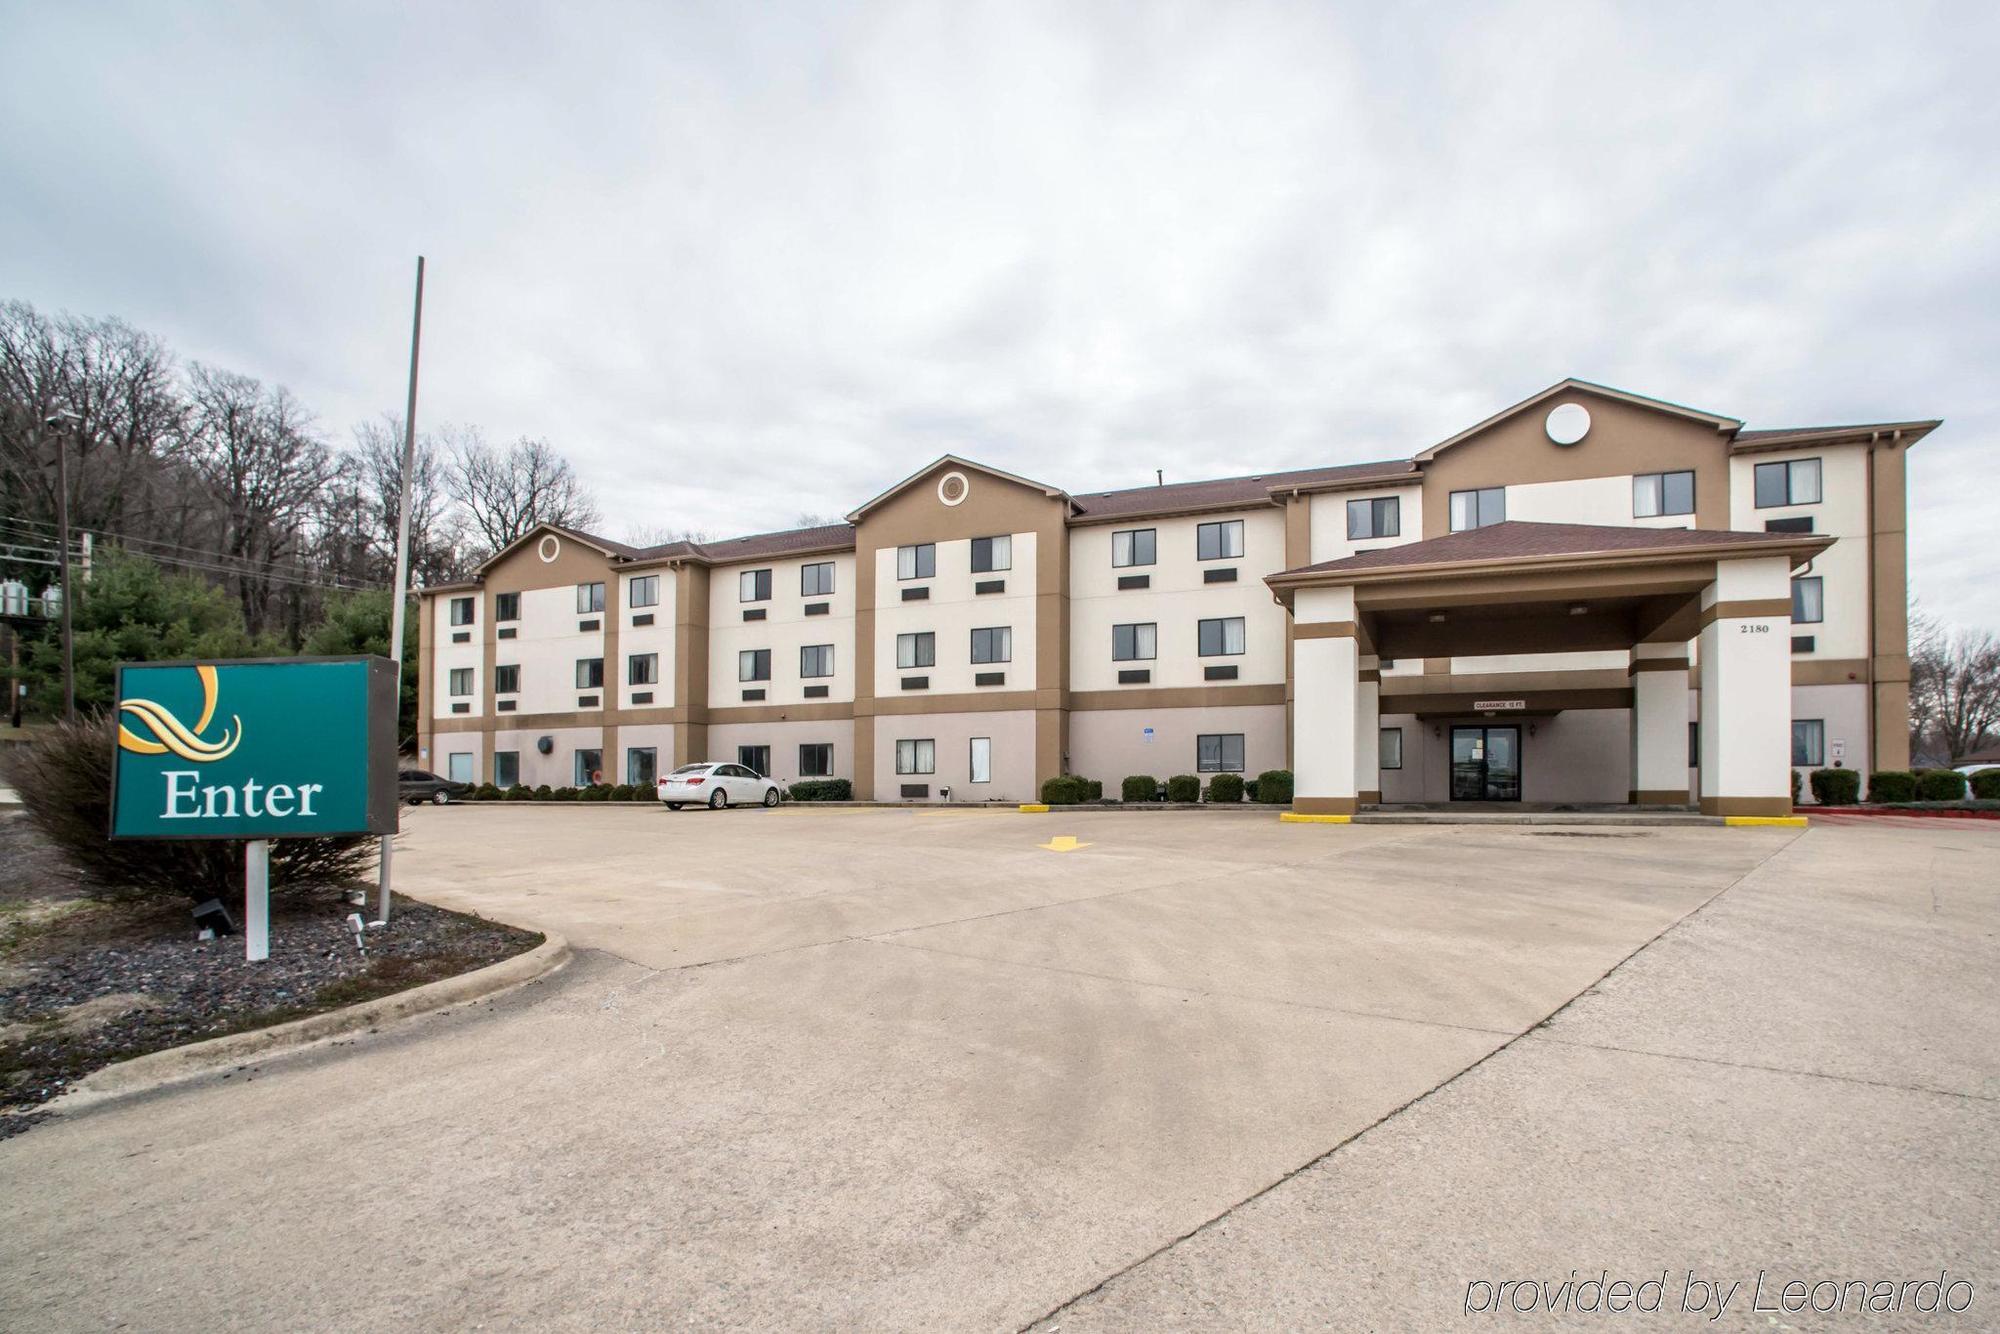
(1093, 789)
(1225, 788)
(64, 778)
(595, 792)
(1891, 785)
(1139, 787)
(1250, 789)
(624, 792)
(1795, 787)
(821, 789)
(1836, 787)
(1274, 787)
(1940, 785)
(543, 793)
(519, 793)
(1986, 785)
(1064, 790)
(1183, 787)
(486, 792)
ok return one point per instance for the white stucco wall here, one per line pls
(547, 650)
(557, 768)
(784, 738)
(784, 629)
(1013, 735)
(1597, 500)
(1111, 744)
(951, 613)
(1328, 514)
(635, 639)
(1842, 513)
(1844, 710)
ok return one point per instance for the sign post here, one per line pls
(255, 749)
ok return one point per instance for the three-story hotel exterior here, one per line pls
(1591, 597)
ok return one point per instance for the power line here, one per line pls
(221, 563)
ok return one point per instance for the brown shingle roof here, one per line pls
(1808, 435)
(1254, 489)
(1519, 540)
(827, 537)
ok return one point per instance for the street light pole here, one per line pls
(399, 595)
(61, 422)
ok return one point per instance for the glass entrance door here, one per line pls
(1485, 764)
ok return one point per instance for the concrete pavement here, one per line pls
(908, 1069)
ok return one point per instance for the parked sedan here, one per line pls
(418, 786)
(716, 785)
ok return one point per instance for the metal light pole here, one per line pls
(60, 424)
(399, 595)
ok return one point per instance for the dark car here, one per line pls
(417, 787)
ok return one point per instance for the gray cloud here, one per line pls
(742, 262)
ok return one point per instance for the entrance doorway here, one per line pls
(1485, 764)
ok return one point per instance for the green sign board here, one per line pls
(259, 748)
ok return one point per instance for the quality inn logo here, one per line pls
(172, 735)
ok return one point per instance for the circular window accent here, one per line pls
(549, 548)
(1569, 423)
(953, 488)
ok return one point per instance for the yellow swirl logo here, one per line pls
(171, 734)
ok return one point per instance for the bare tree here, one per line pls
(436, 529)
(506, 492)
(264, 469)
(659, 535)
(1954, 687)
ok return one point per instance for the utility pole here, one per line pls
(399, 595)
(61, 425)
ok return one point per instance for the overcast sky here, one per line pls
(746, 261)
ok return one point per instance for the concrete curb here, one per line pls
(176, 1065)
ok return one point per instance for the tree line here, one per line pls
(208, 471)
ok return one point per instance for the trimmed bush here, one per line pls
(1250, 789)
(1940, 785)
(1986, 785)
(1139, 787)
(1225, 788)
(1093, 789)
(519, 793)
(486, 792)
(820, 789)
(1274, 787)
(543, 793)
(595, 792)
(1064, 790)
(1891, 785)
(1183, 787)
(64, 778)
(1836, 787)
(1795, 787)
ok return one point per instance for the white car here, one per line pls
(716, 785)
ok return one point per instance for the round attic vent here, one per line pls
(953, 488)
(1569, 423)
(549, 548)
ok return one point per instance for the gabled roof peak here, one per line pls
(954, 460)
(1572, 385)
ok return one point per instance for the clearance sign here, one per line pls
(255, 749)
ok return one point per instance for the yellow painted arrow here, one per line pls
(1063, 843)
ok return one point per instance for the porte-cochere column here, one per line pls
(1326, 674)
(1745, 655)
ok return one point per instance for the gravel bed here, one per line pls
(62, 953)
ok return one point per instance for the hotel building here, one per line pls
(1591, 597)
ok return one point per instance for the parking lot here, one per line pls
(939, 1069)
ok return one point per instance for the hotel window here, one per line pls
(753, 586)
(816, 660)
(1135, 546)
(816, 760)
(753, 664)
(916, 650)
(589, 767)
(993, 644)
(980, 764)
(589, 673)
(1219, 754)
(461, 611)
(916, 757)
(1808, 742)
(757, 759)
(642, 765)
(589, 598)
(1477, 509)
(1218, 541)
(461, 680)
(642, 669)
(506, 768)
(1657, 493)
(816, 579)
(1379, 517)
(644, 591)
(990, 554)
(1791, 482)
(1808, 600)
(918, 562)
(458, 766)
(1391, 754)
(1135, 643)
(506, 606)
(507, 679)
(1221, 638)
